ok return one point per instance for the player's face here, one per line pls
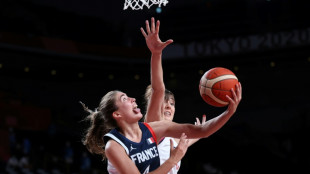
(127, 107)
(168, 109)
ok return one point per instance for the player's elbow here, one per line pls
(160, 88)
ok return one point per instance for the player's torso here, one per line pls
(144, 154)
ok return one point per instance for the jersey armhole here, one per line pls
(110, 136)
(151, 130)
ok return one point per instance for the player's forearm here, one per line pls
(206, 129)
(192, 141)
(165, 167)
(157, 72)
(216, 123)
(158, 89)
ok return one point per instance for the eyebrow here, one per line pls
(120, 97)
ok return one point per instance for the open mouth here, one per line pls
(167, 114)
(136, 110)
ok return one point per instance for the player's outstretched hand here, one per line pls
(152, 38)
(197, 122)
(203, 120)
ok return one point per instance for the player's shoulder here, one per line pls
(112, 147)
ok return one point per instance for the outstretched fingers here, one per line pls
(168, 42)
(149, 30)
(197, 122)
(153, 25)
(143, 32)
(147, 26)
(157, 26)
(151, 35)
(204, 118)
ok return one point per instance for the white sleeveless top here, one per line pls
(164, 153)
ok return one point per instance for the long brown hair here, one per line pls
(101, 122)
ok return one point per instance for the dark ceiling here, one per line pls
(105, 22)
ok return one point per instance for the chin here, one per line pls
(169, 118)
(140, 115)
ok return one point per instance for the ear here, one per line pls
(116, 115)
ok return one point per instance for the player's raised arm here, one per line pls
(156, 47)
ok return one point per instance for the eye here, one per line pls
(124, 98)
(171, 102)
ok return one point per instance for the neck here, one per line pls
(132, 132)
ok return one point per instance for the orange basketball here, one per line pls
(215, 84)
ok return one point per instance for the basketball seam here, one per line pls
(220, 81)
(213, 81)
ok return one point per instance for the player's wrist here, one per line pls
(172, 161)
(157, 52)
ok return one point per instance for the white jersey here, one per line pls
(164, 153)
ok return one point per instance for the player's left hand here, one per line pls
(203, 120)
(176, 154)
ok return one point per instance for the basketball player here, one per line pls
(167, 110)
(131, 146)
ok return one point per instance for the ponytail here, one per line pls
(101, 122)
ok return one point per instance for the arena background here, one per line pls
(54, 54)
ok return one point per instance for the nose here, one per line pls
(167, 105)
(133, 99)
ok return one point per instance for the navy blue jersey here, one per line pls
(144, 154)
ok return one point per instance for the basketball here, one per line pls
(215, 84)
